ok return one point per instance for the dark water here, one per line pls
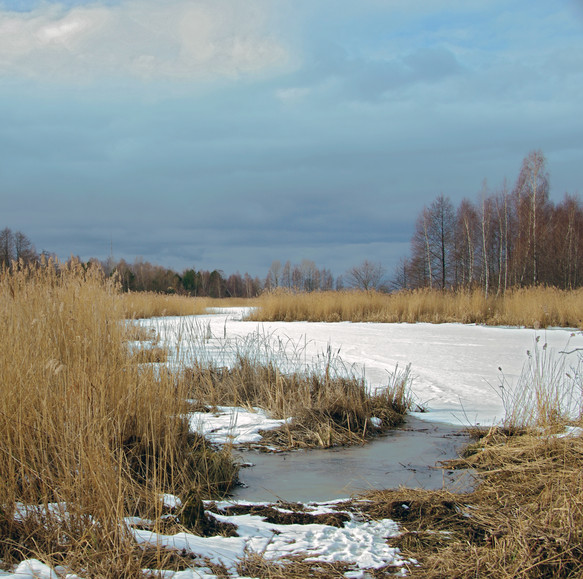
(404, 457)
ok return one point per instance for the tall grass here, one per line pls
(87, 435)
(151, 304)
(532, 307)
(548, 394)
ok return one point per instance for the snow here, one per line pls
(362, 544)
(232, 425)
(456, 369)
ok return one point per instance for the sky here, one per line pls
(226, 134)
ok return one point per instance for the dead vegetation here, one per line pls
(137, 305)
(536, 307)
(89, 435)
(326, 409)
(524, 518)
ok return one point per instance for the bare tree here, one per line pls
(273, 278)
(7, 252)
(433, 244)
(402, 277)
(467, 244)
(367, 276)
(23, 248)
(286, 275)
(530, 197)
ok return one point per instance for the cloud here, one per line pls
(176, 39)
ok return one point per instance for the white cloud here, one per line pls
(173, 39)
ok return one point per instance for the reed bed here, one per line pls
(536, 307)
(524, 519)
(88, 436)
(151, 304)
(137, 305)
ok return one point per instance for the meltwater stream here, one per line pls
(406, 456)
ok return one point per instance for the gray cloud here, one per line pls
(327, 153)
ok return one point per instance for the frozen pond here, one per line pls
(405, 456)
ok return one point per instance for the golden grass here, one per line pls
(525, 516)
(137, 305)
(150, 304)
(327, 409)
(537, 307)
(524, 519)
(82, 425)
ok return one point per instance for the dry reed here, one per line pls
(87, 436)
(150, 304)
(137, 305)
(327, 409)
(525, 517)
(536, 307)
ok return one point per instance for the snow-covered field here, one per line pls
(457, 371)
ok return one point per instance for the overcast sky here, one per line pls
(225, 134)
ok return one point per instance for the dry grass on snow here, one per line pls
(538, 307)
(327, 409)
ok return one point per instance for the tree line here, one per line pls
(507, 238)
(144, 276)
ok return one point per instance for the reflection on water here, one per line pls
(404, 457)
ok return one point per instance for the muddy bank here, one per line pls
(403, 457)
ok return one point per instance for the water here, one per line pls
(406, 456)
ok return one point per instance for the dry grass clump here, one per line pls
(525, 519)
(327, 409)
(87, 436)
(536, 307)
(291, 568)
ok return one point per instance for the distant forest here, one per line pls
(507, 238)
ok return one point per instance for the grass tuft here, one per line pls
(327, 409)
